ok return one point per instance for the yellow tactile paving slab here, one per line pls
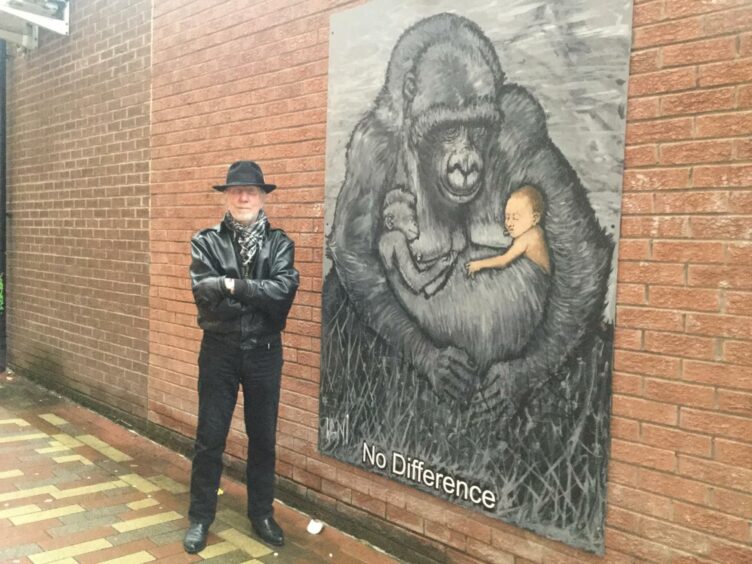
(69, 551)
(11, 474)
(135, 558)
(19, 422)
(49, 514)
(73, 458)
(8, 496)
(167, 483)
(53, 419)
(217, 550)
(142, 504)
(84, 490)
(141, 484)
(55, 446)
(21, 510)
(24, 437)
(104, 448)
(66, 440)
(142, 522)
(244, 543)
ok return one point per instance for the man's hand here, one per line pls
(230, 285)
(209, 291)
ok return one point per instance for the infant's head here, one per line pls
(399, 213)
(524, 210)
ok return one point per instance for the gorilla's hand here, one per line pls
(450, 371)
(500, 393)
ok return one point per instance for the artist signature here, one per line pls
(335, 430)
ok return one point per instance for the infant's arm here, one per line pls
(518, 248)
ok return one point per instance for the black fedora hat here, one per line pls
(245, 173)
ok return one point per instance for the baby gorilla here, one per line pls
(394, 245)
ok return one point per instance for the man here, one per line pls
(244, 282)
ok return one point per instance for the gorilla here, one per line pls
(448, 126)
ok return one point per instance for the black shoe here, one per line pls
(195, 538)
(268, 530)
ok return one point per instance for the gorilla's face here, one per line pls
(455, 153)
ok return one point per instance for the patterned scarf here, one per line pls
(249, 237)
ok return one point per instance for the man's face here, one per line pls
(244, 202)
(519, 215)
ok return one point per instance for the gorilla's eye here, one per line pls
(452, 132)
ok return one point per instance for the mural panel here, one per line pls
(474, 166)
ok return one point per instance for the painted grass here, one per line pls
(546, 463)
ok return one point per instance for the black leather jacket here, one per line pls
(257, 311)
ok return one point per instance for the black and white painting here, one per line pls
(474, 169)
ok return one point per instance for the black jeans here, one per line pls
(223, 367)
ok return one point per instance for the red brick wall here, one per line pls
(232, 84)
(78, 198)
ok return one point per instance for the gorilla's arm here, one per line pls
(371, 164)
(580, 251)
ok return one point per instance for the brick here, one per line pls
(711, 521)
(729, 21)
(717, 74)
(723, 125)
(719, 325)
(731, 477)
(740, 202)
(642, 108)
(489, 554)
(645, 318)
(734, 277)
(698, 151)
(631, 294)
(671, 227)
(673, 486)
(643, 455)
(635, 408)
(656, 179)
(737, 352)
(642, 363)
(643, 502)
(679, 345)
(634, 249)
(738, 303)
(404, 518)
(643, 155)
(667, 33)
(628, 339)
(733, 453)
(369, 504)
(732, 503)
(652, 273)
(698, 101)
(735, 402)
(647, 13)
(716, 374)
(625, 429)
(635, 203)
(678, 392)
(722, 176)
(691, 299)
(682, 8)
(445, 535)
(659, 130)
(717, 49)
(644, 61)
(724, 425)
(688, 251)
